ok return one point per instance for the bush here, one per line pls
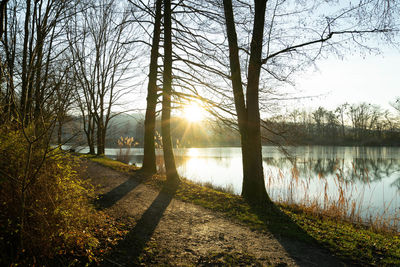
(44, 206)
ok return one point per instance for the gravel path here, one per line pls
(166, 231)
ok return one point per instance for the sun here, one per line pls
(193, 112)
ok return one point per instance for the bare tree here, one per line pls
(100, 43)
(278, 54)
(341, 111)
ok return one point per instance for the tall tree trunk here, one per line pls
(24, 85)
(170, 167)
(31, 67)
(88, 128)
(59, 133)
(100, 138)
(149, 156)
(3, 17)
(90, 134)
(253, 181)
(236, 81)
(248, 113)
(38, 70)
(10, 57)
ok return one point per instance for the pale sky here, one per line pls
(373, 79)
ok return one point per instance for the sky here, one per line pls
(373, 79)
(356, 78)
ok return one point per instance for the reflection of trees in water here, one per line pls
(358, 169)
(396, 183)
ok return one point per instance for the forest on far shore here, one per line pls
(360, 124)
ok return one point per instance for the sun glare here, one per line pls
(193, 112)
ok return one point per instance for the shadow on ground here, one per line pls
(128, 251)
(109, 199)
(283, 228)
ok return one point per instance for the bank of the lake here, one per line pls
(353, 243)
(363, 182)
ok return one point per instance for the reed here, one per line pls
(125, 144)
(337, 198)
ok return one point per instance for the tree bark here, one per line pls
(149, 156)
(38, 73)
(90, 134)
(3, 14)
(170, 167)
(24, 75)
(59, 133)
(31, 67)
(10, 57)
(253, 189)
(101, 132)
(253, 182)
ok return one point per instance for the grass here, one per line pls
(113, 164)
(351, 242)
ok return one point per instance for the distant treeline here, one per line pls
(184, 133)
(357, 124)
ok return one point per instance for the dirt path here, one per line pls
(166, 231)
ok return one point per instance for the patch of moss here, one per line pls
(113, 164)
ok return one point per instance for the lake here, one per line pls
(365, 179)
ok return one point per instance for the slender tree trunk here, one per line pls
(31, 66)
(3, 17)
(248, 113)
(149, 156)
(38, 69)
(170, 167)
(88, 128)
(100, 138)
(99, 150)
(24, 62)
(59, 133)
(3, 36)
(91, 136)
(103, 140)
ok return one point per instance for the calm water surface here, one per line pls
(368, 176)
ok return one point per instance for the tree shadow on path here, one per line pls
(127, 251)
(300, 246)
(109, 199)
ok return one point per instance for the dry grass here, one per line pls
(338, 199)
(124, 154)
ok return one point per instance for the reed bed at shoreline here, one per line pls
(334, 197)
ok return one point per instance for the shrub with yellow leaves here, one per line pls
(45, 207)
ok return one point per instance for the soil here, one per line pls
(167, 231)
